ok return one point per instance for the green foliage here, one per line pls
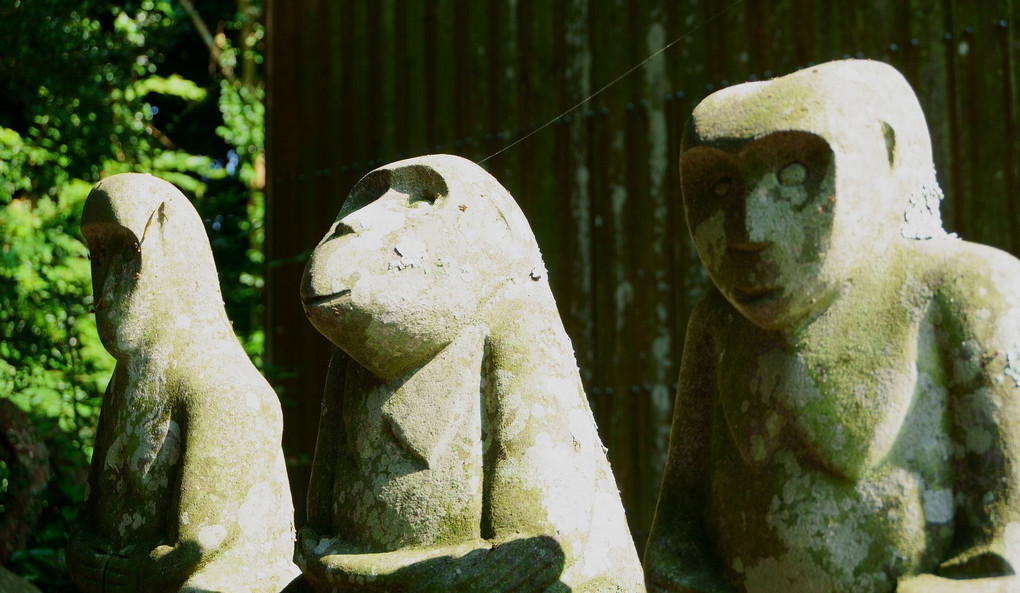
(173, 86)
(51, 360)
(243, 113)
(52, 363)
(87, 89)
(5, 483)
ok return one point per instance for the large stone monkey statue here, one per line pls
(848, 415)
(456, 449)
(187, 490)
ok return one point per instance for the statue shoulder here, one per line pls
(976, 289)
(970, 277)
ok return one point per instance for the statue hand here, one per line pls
(121, 575)
(928, 583)
(127, 572)
(87, 553)
(307, 540)
(517, 564)
(90, 568)
(318, 557)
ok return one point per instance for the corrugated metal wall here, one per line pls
(356, 84)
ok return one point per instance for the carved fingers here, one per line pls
(312, 551)
(100, 571)
(90, 570)
(307, 541)
(120, 575)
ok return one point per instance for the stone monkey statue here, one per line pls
(848, 411)
(456, 449)
(187, 490)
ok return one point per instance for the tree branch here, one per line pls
(215, 52)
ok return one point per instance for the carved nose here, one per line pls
(756, 212)
(320, 277)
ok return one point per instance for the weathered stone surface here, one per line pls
(456, 449)
(187, 490)
(847, 416)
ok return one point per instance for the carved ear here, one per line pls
(890, 142)
(158, 215)
(419, 182)
(369, 189)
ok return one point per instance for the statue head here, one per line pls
(152, 267)
(419, 250)
(793, 186)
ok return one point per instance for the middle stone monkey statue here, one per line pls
(848, 411)
(456, 449)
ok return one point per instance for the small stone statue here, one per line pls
(848, 412)
(187, 490)
(456, 449)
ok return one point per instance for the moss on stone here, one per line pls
(456, 449)
(187, 490)
(858, 406)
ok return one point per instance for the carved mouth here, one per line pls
(315, 301)
(757, 296)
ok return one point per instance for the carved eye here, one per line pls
(793, 174)
(340, 230)
(722, 187)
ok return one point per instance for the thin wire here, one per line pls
(611, 83)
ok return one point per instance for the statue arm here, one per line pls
(981, 341)
(515, 564)
(678, 557)
(88, 548)
(101, 565)
(219, 434)
(331, 436)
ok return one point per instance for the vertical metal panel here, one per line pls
(986, 119)
(290, 342)
(355, 84)
(571, 283)
(1006, 31)
(618, 421)
(446, 113)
